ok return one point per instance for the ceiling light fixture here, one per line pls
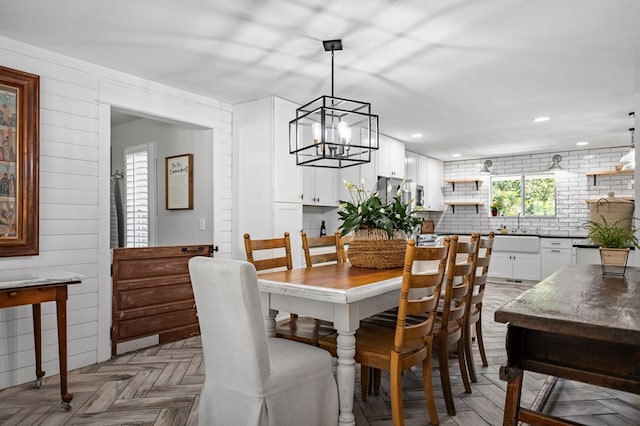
(417, 135)
(485, 167)
(555, 165)
(582, 143)
(541, 119)
(333, 132)
(456, 155)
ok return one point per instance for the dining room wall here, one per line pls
(75, 102)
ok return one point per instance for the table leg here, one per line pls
(270, 317)
(514, 377)
(346, 351)
(61, 314)
(37, 337)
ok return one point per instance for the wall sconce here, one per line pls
(555, 165)
(485, 167)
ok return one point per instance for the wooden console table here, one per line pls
(34, 288)
(577, 324)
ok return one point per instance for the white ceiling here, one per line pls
(469, 74)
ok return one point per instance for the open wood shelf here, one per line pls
(463, 180)
(609, 173)
(453, 204)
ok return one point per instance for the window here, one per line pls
(527, 195)
(140, 190)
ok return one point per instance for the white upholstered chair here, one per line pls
(252, 379)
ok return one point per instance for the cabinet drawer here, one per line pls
(556, 243)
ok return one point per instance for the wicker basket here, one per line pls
(372, 248)
(613, 210)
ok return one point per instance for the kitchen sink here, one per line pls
(521, 243)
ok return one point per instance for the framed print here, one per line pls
(19, 162)
(179, 182)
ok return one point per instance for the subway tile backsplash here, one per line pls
(573, 187)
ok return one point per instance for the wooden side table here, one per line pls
(34, 288)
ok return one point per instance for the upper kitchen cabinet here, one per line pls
(286, 174)
(431, 177)
(365, 173)
(320, 186)
(390, 158)
(411, 166)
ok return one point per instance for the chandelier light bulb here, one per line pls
(316, 129)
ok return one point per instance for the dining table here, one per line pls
(577, 324)
(340, 293)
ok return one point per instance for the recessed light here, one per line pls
(582, 143)
(417, 135)
(456, 155)
(541, 119)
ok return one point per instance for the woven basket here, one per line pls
(372, 248)
(613, 210)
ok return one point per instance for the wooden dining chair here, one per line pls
(474, 306)
(306, 329)
(250, 378)
(333, 249)
(281, 260)
(398, 348)
(450, 325)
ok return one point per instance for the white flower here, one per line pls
(398, 216)
(359, 209)
(381, 209)
(343, 205)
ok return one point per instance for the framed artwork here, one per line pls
(179, 182)
(19, 162)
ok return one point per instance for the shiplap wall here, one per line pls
(573, 187)
(74, 196)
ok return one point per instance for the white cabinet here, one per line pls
(515, 266)
(320, 186)
(390, 158)
(267, 186)
(554, 253)
(432, 180)
(364, 173)
(411, 166)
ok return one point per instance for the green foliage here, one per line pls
(366, 210)
(610, 235)
(538, 193)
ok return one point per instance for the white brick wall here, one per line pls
(572, 185)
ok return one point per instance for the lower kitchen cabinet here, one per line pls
(554, 253)
(515, 266)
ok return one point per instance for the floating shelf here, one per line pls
(453, 204)
(463, 180)
(609, 173)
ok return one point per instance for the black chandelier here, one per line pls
(333, 132)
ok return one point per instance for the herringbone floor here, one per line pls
(161, 385)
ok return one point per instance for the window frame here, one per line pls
(150, 149)
(522, 177)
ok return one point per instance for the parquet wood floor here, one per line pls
(160, 386)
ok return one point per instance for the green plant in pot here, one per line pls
(380, 230)
(614, 241)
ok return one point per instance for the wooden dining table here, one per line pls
(340, 293)
(577, 324)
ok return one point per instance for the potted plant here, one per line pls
(495, 206)
(380, 230)
(614, 241)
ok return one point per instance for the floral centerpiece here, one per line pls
(380, 230)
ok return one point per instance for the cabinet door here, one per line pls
(326, 186)
(397, 159)
(308, 186)
(552, 259)
(501, 265)
(526, 266)
(423, 175)
(433, 195)
(589, 256)
(411, 166)
(287, 176)
(287, 217)
(351, 175)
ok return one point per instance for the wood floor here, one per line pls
(161, 385)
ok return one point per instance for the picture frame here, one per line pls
(19, 162)
(179, 182)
